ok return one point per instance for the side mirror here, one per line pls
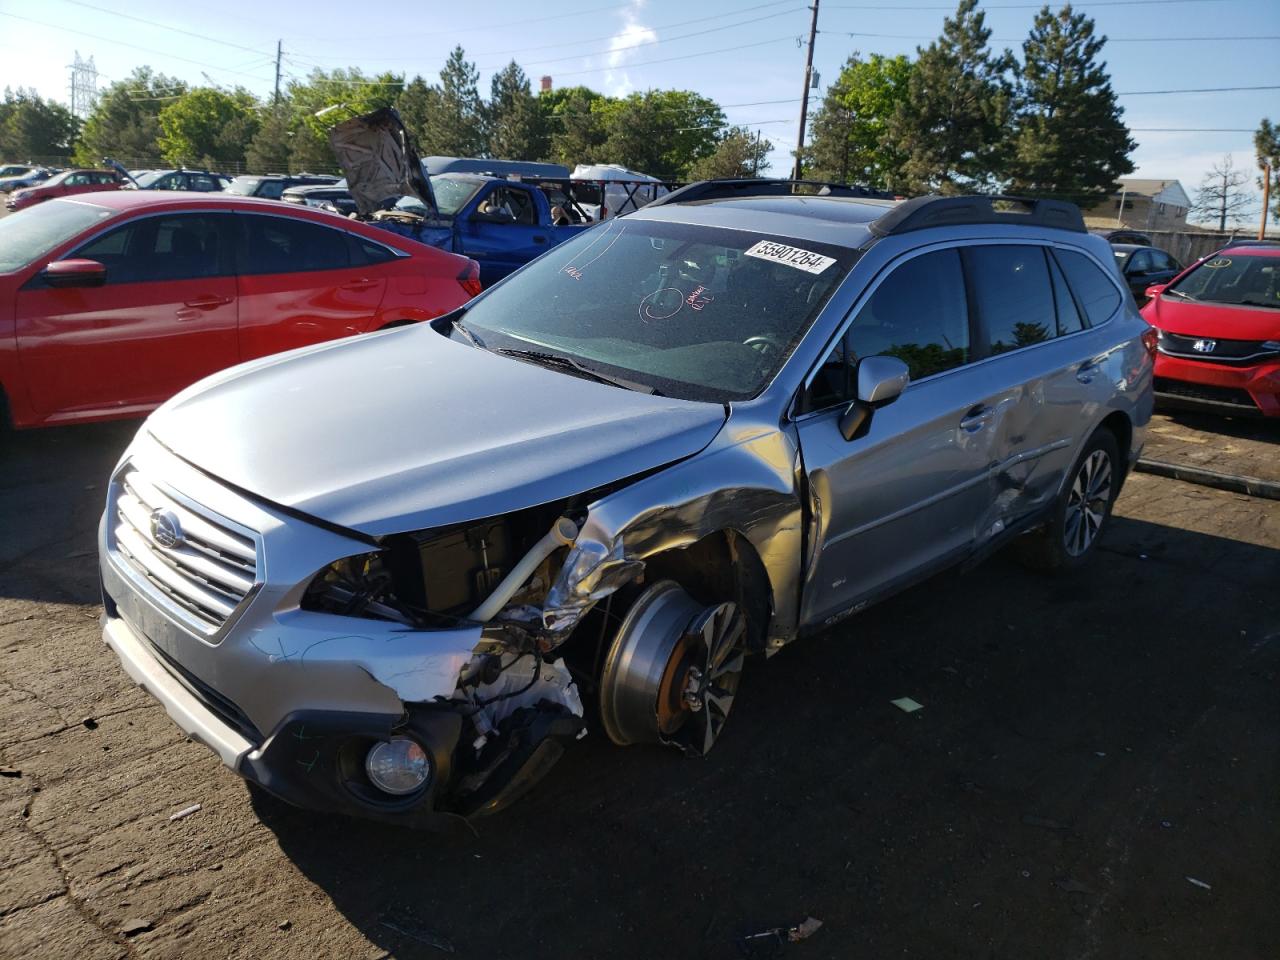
(880, 381)
(1154, 290)
(75, 273)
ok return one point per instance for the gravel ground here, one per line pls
(1095, 773)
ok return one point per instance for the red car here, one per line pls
(1219, 329)
(65, 184)
(111, 304)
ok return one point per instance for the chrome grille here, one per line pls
(206, 574)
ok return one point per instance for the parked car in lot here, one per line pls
(198, 181)
(65, 184)
(271, 186)
(500, 223)
(1144, 266)
(334, 197)
(15, 169)
(380, 577)
(112, 303)
(29, 178)
(1219, 332)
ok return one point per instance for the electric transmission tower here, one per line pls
(84, 86)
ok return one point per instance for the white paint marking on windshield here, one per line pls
(805, 260)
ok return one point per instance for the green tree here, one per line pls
(31, 126)
(208, 126)
(951, 128)
(661, 132)
(416, 103)
(1266, 142)
(574, 120)
(126, 122)
(453, 123)
(1071, 142)
(327, 97)
(738, 154)
(268, 151)
(513, 123)
(850, 141)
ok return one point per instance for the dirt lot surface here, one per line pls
(1095, 774)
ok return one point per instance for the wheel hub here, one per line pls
(672, 670)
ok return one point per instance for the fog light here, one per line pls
(398, 766)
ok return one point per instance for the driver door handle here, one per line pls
(976, 418)
(207, 303)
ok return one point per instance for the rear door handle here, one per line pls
(976, 419)
(207, 303)
(539, 239)
(363, 283)
(1087, 371)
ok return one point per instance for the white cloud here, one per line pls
(617, 82)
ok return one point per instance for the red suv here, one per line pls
(111, 304)
(65, 184)
(1219, 328)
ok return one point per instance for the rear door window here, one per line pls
(1012, 294)
(286, 245)
(1093, 289)
(366, 253)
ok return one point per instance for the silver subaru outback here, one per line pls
(397, 576)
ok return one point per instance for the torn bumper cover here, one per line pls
(293, 699)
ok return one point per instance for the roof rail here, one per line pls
(758, 187)
(933, 211)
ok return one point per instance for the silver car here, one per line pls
(399, 575)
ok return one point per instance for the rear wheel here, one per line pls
(672, 671)
(1082, 511)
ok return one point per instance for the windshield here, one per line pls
(1233, 278)
(694, 312)
(148, 177)
(28, 235)
(452, 193)
(243, 185)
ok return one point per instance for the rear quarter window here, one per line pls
(1093, 289)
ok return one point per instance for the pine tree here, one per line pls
(513, 123)
(1071, 142)
(574, 120)
(951, 128)
(455, 125)
(849, 142)
(739, 153)
(268, 151)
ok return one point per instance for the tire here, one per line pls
(1082, 511)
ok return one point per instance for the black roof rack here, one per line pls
(758, 187)
(932, 211)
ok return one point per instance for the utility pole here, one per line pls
(804, 98)
(755, 155)
(1266, 200)
(276, 98)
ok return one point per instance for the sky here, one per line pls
(747, 55)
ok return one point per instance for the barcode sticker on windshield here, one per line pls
(804, 260)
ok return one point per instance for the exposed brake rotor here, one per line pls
(673, 670)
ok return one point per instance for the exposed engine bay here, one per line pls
(660, 665)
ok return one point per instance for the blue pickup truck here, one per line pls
(499, 222)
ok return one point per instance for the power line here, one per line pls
(161, 26)
(1021, 6)
(1167, 39)
(1145, 93)
(687, 56)
(570, 43)
(122, 43)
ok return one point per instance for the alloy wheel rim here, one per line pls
(1087, 503)
(710, 686)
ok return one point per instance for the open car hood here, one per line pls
(380, 162)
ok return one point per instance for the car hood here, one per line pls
(1221, 320)
(378, 158)
(407, 429)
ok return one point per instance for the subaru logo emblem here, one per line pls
(166, 531)
(1204, 346)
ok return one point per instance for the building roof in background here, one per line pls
(1168, 191)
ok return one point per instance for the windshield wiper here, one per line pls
(558, 362)
(1179, 293)
(463, 329)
